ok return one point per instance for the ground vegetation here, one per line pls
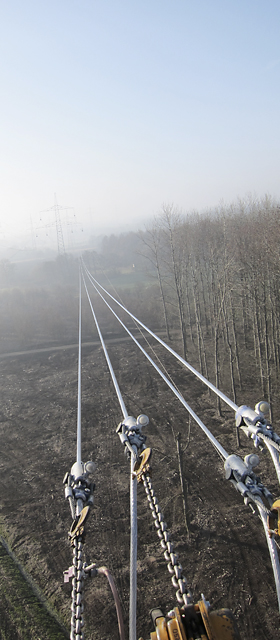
(210, 284)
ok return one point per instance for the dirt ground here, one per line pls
(224, 556)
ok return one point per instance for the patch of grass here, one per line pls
(23, 616)
(124, 278)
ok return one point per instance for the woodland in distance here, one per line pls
(212, 278)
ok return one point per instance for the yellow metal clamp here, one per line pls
(187, 623)
(143, 465)
(175, 627)
(78, 528)
(273, 520)
(219, 625)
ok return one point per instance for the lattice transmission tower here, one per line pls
(57, 224)
(59, 232)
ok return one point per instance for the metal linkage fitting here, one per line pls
(240, 473)
(77, 607)
(130, 433)
(77, 530)
(256, 425)
(89, 571)
(142, 465)
(78, 489)
(174, 567)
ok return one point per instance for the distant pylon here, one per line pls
(59, 233)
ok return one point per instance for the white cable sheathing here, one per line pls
(208, 433)
(133, 494)
(211, 386)
(263, 514)
(114, 379)
(275, 457)
(79, 432)
(133, 551)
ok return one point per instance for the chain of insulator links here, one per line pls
(174, 567)
(77, 606)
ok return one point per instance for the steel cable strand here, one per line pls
(133, 492)
(219, 393)
(166, 346)
(79, 435)
(174, 567)
(112, 373)
(216, 444)
(268, 440)
(258, 502)
(274, 455)
(142, 334)
(269, 443)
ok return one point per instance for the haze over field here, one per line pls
(119, 106)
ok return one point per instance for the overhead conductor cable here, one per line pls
(79, 432)
(213, 440)
(166, 346)
(269, 443)
(216, 444)
(133, 493)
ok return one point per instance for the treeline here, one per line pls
(212, 279)
(218, 279)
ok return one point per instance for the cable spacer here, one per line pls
(142, 465)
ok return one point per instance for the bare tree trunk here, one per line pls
(273, 324)
(236, 348)
(203, 292)
(184, 495)
(167, 220)
(200, 340)
(188, 304)
(152, 247)
(258, 341)
(198, 334)
(217, 371)
(163, 305)
(266, 351)
(231, 357)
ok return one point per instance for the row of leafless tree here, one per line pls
(218, 279)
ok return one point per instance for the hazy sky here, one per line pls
(119, 106)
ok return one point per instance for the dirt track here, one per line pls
(225, 556)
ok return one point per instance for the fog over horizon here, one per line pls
(119, 107)
(40, 237)
(60, 230)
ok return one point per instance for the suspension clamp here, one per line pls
(78, 489)
(241, 474)
(255, 423)
(130, 434)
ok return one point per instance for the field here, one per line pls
(224, 553)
